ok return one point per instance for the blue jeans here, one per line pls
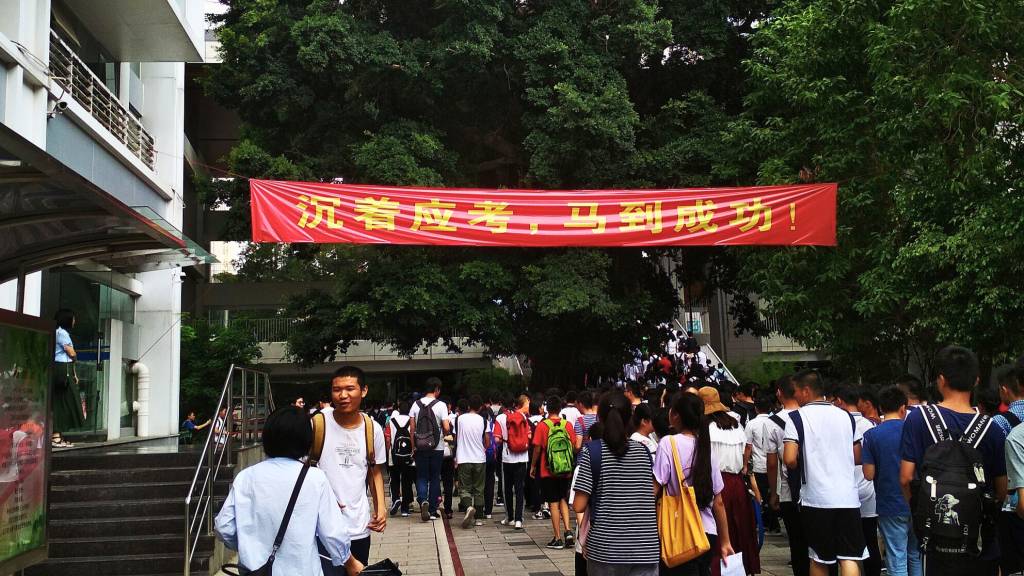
(428, 476)
(902, 556)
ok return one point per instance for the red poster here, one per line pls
(360, 214)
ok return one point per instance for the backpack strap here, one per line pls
(853, 423)
(319, 422)
(371, 459)
(798, 423)
(399, 427)
(936, 423)
(778, 421)
(976, 430)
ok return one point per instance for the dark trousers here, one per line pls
(515, 485)
(490, 477)
(533, 499)
(1011, 542)
(402, 479)
(768, 516)
(873, 563)
(428, 477)
(448, 482)
(360, 551)
(699, 566)
(501, 477)
(798, 558)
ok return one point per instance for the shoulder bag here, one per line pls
(679, 524)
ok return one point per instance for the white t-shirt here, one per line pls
(865, 487)
(508, 457)
(727, 447)
(647, 441)
(440, 412)
(778, 441)
(450, 419)
(469, 444)
(570, 414)
(828, 456)
(760, 436)
(344, 462)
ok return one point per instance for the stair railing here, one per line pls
(245, 402)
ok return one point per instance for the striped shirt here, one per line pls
(582, 425)
(624, 524)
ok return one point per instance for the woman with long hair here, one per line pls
(701, 472)
(616, 482)
(728, 440)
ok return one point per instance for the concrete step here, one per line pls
(92, 460)
(133, 564)
(147, 491)
(130, 475)
(120, 508)
(130, 526)
(100, 546)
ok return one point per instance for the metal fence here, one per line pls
(74, 76)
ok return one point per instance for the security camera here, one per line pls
(59, 107)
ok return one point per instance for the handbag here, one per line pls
(268, 568)
(679, 524)
(382, 568)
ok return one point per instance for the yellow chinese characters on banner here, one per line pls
(323, 209)
(377, 213)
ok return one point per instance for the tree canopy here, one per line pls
(914, 107)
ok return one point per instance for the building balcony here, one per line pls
(145, 30)
(75, 77)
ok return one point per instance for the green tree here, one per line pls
(916, 108)
(524, 93)
(207, 350)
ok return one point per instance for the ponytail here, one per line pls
(614, 413)
(690, 410)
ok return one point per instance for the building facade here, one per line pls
(93, 180)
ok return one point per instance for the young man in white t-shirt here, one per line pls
(848, 398)
(781, 497)
(760, 432)
(829, 501)
(471, 441)
(349, 466)
(429, 460)
(513, 464)
(400, 468)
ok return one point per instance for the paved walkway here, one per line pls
(445, 549)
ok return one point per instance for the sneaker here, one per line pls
(478, 523)
(556, 544)
(424, 512)
(504, 522)
(396, 506)
(436, 516)
(546, 513)
(467, 520)
(499, 501)
(488, 516)
(405, 513)
(519, 525)
(539, 515)
(569, 538)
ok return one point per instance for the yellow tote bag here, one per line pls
(679, 524)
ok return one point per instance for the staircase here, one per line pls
(123, 513)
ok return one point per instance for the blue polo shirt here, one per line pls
(881, 448)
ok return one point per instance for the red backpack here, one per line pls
(518, 432)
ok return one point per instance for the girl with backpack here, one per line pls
(614, 486)
(700, 471)
(400, 468)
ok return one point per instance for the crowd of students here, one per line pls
(839, 467)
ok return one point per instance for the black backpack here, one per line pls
(948, 499)
(401, 445)
(428, 430)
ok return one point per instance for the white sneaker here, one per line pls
(504, 522)
(519, 525)
(467, 520)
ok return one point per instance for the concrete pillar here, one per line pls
(115, 378)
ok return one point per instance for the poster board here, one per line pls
(26, 354)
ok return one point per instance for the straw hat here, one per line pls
(712, 401)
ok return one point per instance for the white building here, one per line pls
(92, 180)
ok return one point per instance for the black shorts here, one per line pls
(833, 534)
(553, 489)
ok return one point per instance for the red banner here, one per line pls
(359, 214)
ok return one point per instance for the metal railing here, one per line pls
(74, 76)
(248, 399)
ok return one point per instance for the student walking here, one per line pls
(588, 416)
(1011, 519)
(553, 443)
(701, 472)
(429, 426)
(615, 482)
(513, 429)
(847, 398)
(782, 480)
(816, 435)
(353, 450)
(400, 468)
(881, 457)
(471, 443)
(256, 505)
(760, 432)
(952, 441)
(728, 442)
